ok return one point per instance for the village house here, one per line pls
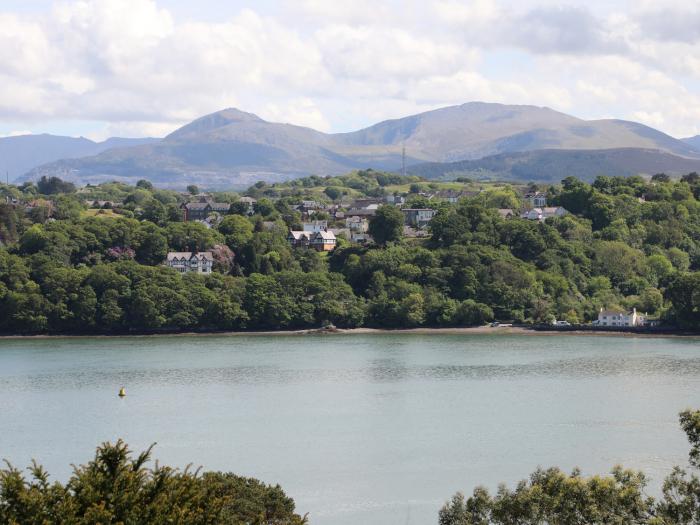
(370, 211)
(308, 208)
(453, 196)
(395, 199)
(298, 239)
(620, 318)
(363, 208)
(418, 217)
(199, 211)
(315, 226)
(536, 199)
(357, 224)
(352, 235)
(370, 202)
(506, 213)
(540, 214)
(322, 241)
(250, 201)
(186, 262)
(361, 237)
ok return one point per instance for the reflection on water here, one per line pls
(357, 428)
(378, 370)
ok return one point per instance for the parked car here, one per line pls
(562, 323)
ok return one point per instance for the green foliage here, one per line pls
(116, 487)
(684, 296)
(553, 497)
(387, 225)
(237, 229)
(54, 185)
(628, 243)
(144, 184)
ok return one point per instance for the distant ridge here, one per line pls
(693, 142)
(20, 154)
(232, 148)
(554, 165)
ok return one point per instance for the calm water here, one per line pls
(373, 429)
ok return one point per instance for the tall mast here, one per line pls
(403, 160)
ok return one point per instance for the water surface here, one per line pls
(373, 429)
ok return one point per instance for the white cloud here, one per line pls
(302, 112)
(137, 68)
(18, 133)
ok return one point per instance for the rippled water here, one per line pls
(373, 429)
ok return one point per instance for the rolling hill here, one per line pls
(232, 148)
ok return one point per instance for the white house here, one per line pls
(620, 318)
(315, 226)
(540, 214)
(536, 199)
(357, 224)
(395, 198)
(360, 237)
(186, 262)
(418, 217)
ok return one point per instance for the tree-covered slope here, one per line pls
(551, 165)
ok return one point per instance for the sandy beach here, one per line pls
(473, 330)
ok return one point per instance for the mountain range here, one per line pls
(232, 148)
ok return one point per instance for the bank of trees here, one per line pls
(629, 243)
(555, 497)
(119, 487)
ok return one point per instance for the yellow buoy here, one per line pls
(122, 392)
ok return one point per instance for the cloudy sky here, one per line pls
(143, 67)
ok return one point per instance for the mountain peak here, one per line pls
(233, 147)
(218, 119)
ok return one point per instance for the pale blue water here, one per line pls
(372, 429)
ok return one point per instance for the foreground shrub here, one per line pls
(116, 488)
(551, 497)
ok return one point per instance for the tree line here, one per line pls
(627, 243)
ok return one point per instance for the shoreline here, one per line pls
(473, 330)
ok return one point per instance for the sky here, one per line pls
(100, 68)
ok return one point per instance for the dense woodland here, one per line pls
(627, 243)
